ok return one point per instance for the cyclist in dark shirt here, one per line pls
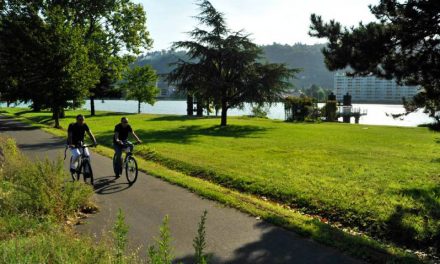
(122, 130)
(75, 136)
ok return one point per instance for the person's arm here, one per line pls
(89, 132)
(70, 136)
(136, 137)
(117, 137)
(69, 139)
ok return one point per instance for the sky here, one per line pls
(268, 21)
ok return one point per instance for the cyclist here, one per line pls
(120, 138)
(75, 137)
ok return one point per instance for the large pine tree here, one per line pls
(224, 66)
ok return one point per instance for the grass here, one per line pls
(381, 180)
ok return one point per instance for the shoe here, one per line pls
(72, 171)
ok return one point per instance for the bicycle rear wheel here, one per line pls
(131, 169)
(87, 172)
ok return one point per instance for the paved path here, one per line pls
(232, 237)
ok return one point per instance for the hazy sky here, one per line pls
(281, 21)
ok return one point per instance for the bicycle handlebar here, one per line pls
(81, 146)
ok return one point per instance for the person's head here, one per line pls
(80, 119)
(124, 121)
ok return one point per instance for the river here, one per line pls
(377, 114)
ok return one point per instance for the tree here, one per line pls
(403, 44)
(108, 28)
(140, 84)
(111, 26)
(225, 67)
(45, 59)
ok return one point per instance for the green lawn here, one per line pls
(382, 180)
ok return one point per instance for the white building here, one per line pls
(371, 89)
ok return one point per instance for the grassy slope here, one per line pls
(364, 176)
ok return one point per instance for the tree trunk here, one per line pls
(189, 105)
(8, 103)
(36, 106)
(199, 107)
(139, 107)
(92, 105)
(56, 116)
(224, 113)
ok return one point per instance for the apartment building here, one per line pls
(371, 89)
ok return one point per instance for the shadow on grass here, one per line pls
(181, 118)
(186, 134)
(102, 114)
(427, 234)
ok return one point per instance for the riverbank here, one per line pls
(331, 171)
(377, 114)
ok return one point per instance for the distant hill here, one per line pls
(307, 57)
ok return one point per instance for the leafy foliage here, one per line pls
(199, 242)
(161, 253)
(67, 49)
(120, 231)
(140, 84)
(299, 108)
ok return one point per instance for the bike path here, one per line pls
(232, 236)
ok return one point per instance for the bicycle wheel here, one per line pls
(75, 175)
(131, 169)
(116, 166)
(87, 172)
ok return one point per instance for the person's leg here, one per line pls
(75, 156)
(86, 152)
(118, 152)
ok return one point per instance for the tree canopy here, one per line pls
(44, 60)
(225, 67)
(140, 84)
(404, 43)
(106, 35)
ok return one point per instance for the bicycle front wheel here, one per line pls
(87, 172)
(131, 170)
(75, 175)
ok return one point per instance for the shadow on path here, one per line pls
(108, 185)
(272, 249)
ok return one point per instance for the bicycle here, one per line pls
(129, 163)
(83, 167)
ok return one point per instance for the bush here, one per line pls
(37, 189)
(300, 108)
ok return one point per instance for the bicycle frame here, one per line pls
(82, 160)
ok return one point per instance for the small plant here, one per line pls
(161, 253)
(259, 111)
(120, 231)
(199, 241)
